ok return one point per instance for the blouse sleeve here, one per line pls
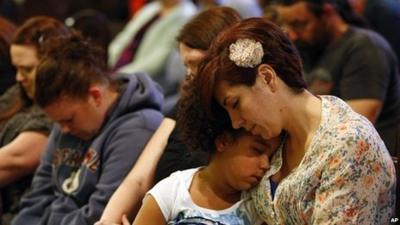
(356, 182)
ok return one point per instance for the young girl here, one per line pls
(212, 194)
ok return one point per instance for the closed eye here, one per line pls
(25, 70)
(259, 151)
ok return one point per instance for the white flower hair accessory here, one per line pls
(246, 53)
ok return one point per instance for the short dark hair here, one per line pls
(68, 68)
(342, 7)
(279, 53)
(36, 30)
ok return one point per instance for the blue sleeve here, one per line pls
(35, 205)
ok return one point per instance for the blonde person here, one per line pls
(333, 168)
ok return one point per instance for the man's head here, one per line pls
(308, 23)
(72, 86)
(316, 22)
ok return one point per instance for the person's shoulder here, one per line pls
(368, 38)
(181, 177)
(183, 174)
(188, 7)
(176, 181)
(146, 119)
(139, 103)
(147, 9)
(345, 126)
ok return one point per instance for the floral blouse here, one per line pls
(345, 177)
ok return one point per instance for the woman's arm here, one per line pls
(21, 156)
(128, 197)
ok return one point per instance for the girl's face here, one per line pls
(25, 60)
(191, 58)
(245, 160)
(255, 108)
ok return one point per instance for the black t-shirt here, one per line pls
(383, 16)
(362, 65)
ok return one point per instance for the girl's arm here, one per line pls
(128, 197)
(150, 213)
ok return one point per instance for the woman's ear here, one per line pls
(267, 76)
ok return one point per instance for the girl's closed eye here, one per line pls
(259, 151)
(260, 148)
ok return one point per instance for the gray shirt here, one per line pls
(362, 65)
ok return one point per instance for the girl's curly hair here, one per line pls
(198, 130)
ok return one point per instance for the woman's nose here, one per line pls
(237, 120)
(19, 77)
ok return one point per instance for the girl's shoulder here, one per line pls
(177, 180)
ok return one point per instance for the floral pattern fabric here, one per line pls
(345, 177)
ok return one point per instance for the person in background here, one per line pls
(148, 40)
(333, 157)
(102, 127)
(135, 6)
(26, 128)
(92, 24)
(166, 151)
(383, 16)
(7, 71)
(246, 8)
(355, 64)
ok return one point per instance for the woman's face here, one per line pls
(25, 60)
(253, 108)
(191, 58)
